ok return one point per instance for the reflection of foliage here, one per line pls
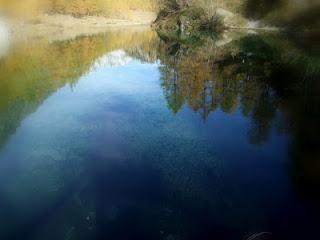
(264, 78)
(186, 75)
(244, 73)
(207, 77)
(32, 72)
(247, 74)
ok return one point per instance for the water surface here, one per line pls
(131, 135)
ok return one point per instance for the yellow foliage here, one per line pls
(75, 7)
(33, 70)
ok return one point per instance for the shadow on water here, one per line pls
(167, 179)
(264, 76)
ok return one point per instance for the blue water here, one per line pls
(106, 158)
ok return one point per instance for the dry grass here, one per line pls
(109, 8)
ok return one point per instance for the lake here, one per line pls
(134, 134)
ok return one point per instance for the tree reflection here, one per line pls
(209, 77)
(244, 74)
(269, 79)
(161, 187)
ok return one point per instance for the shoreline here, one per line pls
(60, 27)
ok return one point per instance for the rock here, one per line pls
(253, 24)
(224, 13)
(230, 19)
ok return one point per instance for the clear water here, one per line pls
(130, 136)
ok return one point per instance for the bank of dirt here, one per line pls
(63, 27)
